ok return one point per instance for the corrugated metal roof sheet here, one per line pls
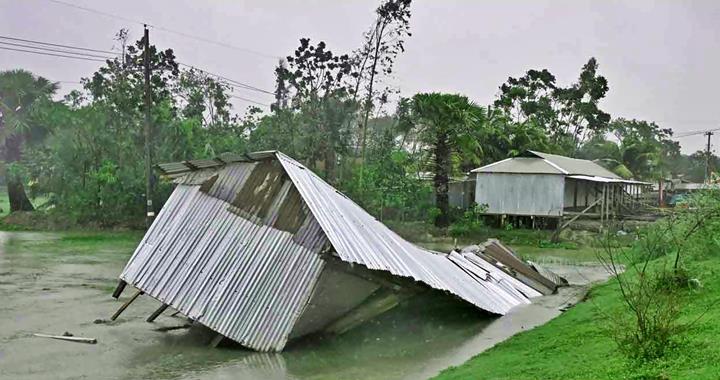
(545, 163)
(237, 247)
(608, 180)
(577, 166)
(359, 238)
(523, 165)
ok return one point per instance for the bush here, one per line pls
(470, 223)
(655, 285)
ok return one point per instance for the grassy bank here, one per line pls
(576, 346)
(579, 343)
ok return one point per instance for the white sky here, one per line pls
(661, 58)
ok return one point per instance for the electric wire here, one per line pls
(56, 45)
(693, 133)
(54, 50)
(52, 54)
(168, 30)
(250, 100)
(42, 50)
(228, 80)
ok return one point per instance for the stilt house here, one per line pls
(547, 185)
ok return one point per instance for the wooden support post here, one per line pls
(556, 235)
(216, 340)
(119, 289)
(156, 313)
(126, 304)
(602, 207)
(575, 193)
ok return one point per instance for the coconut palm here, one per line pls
(21, 94)
(446, 124)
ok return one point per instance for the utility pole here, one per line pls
(707, 157)
(150, 214)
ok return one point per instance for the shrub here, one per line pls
(470, 223)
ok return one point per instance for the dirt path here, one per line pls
(48, 291)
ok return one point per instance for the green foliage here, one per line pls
(91, 164)
(644, 150)
(471, 223)
(570, 114)
(446, 124)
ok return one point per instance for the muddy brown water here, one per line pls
(51, 292)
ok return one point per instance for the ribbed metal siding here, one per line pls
(246, 281)
(359, 238)
(521, 194)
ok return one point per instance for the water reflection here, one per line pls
(402, 344)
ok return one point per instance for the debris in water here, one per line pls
(170, 328)
(69, 337)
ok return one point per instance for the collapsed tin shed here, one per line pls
(261, 250)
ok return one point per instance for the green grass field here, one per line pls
(576, 345)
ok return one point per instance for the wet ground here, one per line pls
(53, 283)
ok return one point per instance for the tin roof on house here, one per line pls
(533, 162)
(240, 244)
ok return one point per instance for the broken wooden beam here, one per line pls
(377, 303)
(171, 328)
(119, 289)
(157, 313)
(77, 339)
(126, 304)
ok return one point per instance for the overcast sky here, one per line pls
(661, 58)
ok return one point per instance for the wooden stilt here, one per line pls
(126, 304)
(216, 340)
(119, 289)
(156, 313)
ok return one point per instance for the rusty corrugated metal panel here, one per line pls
(245, 280)
(359, 238)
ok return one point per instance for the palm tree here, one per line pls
(21, 93)
(446, 124)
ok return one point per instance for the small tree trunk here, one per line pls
(440, 181)
(16, 191)
(330, 158)
(18, 199)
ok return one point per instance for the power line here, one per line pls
(250, 100)
(55, 50)
(168, 30)
(230, 81)
(57, 45)
(51, 54)
(233, 82)
(97, 12)
(693, 133)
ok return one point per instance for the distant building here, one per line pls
(549, 185)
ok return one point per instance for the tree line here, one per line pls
(335, 112)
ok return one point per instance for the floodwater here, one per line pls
(54, 292)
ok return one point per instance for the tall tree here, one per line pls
(640, 149)
(322, 96)
(21, 94)
(445, 124)
(383, 42)
(569, 114)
